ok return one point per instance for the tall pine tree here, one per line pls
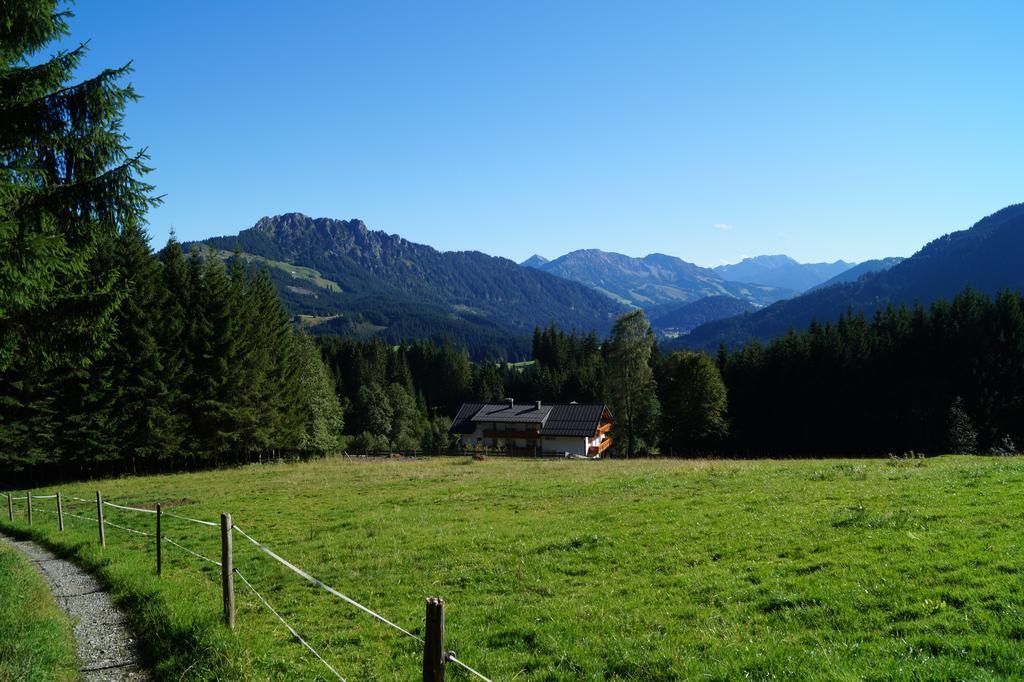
(68, 184)
(631, 389)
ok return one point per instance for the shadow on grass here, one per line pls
(176, 642)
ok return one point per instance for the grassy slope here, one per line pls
(602, 570)
(35, 635)
(297, 271)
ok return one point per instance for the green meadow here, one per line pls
(35, 635)
(569, 570)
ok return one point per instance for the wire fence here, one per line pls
(192, 552)
(185, 518)
(327, 588)
(226, 527)
(295, 634)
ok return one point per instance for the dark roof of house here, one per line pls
(556, 419)
(463, 422)
(520, 413)
(573, 420)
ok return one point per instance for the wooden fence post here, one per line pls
(433, 642)
(159, 557)
(10, 508)
(99, 518)
(60, 512)
(227, 574)
(28, 500)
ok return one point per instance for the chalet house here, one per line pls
(535, 428)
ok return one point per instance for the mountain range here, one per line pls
(986, 257)
(341, 276)
(782, 272)
(655, 279)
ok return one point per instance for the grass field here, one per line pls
(551, 570)
(35, 635)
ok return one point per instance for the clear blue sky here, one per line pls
(706, 130)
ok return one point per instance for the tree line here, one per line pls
(946, 378)
(201, 367)
(397, 397)
(404, 396)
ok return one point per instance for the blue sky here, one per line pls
(706, 130)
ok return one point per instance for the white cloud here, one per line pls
(724, 227)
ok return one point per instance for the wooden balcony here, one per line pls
(512, 435)
(604, 428)
(601, 447)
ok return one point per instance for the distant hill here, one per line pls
(653, 280)
(782, 271)
(351, 279)
(987, 257)
(534, 261)
(682, 318)
(865, 268)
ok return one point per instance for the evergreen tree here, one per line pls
(139, 399)
(282, 389)
(487, 383)
(630, 386)
(408, 424)
(216, 398)
(68, 184)
(324, 418)
(963, 439)
(693, 401)
(372, 412)
(171, 331)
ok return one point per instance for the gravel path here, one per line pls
(107, 649)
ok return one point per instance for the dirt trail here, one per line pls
(107, 650)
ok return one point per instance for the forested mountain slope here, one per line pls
(389, 286)
(684, 317)
(866, 268)
(986, 257)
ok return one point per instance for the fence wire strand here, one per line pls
(195, 554)
(298, 571)
(44, 497)
(126, 528)
(450, 657)
(134, 509)
(164, 512)
(76, 516)
(290, 628)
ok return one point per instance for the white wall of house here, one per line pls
(574, 445)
